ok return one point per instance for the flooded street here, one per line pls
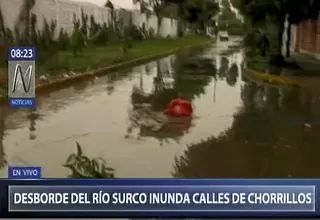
(240, 128)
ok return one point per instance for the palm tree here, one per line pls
(109, 5)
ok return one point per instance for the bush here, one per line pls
(83, 167)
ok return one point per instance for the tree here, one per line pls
(77, 38)
(199, 13)
(180, 11)
(156, 5)
(109, 5)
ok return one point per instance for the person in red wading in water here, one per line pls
(179, 107)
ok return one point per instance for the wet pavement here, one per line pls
(240, 129)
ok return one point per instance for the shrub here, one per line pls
(83, 167)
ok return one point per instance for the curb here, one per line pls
(51, 86)
(272, 79)
(281, 80)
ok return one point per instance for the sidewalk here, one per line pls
(299, 64)
(310, 66)
(302, 70)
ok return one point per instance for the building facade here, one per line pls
(306, 37)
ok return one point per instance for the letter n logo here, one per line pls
(21, 79)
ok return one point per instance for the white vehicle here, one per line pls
(224, 36)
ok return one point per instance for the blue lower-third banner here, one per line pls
(158, 200)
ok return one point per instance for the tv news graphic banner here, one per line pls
(24, 172)
(21, 76)
(161, 198)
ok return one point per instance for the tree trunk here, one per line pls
(288, 42)
(159, 21)
(280, 37)
(180, 21)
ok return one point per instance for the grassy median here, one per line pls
(94, 57)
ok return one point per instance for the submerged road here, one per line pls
(240, 130)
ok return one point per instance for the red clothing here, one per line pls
(179, 107)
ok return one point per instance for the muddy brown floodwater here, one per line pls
(241, 129)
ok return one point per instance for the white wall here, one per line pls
(62, 11)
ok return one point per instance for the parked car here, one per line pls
(224, 36)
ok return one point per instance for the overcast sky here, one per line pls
(121, 3)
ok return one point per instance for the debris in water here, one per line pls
(43, 78)
(307, 125)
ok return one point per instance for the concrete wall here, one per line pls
(63, 10)
(307, 35)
